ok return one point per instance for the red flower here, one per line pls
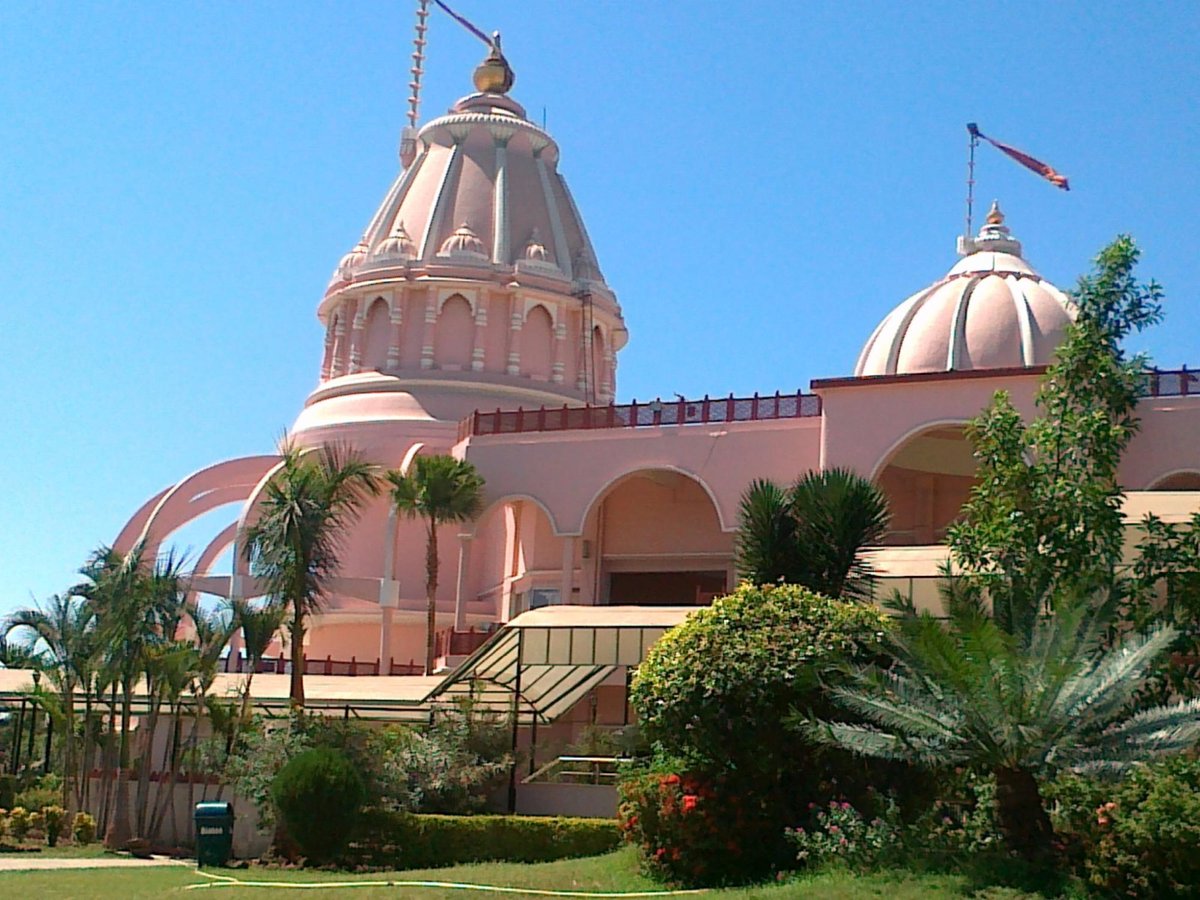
(671, 779)
(689, 803)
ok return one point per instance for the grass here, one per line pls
(63, 851)
(612, 872)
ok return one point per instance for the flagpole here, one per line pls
(972, 143)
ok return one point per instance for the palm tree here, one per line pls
(812, 534)
(966, 692)
(60, 633)
(294, 546)
(441, 490)
(259, 625)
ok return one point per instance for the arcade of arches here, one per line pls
(927, 481)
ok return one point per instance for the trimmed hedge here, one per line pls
(407, 841)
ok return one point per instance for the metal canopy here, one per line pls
(544, 661)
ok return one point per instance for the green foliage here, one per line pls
(83, 828)
(405, 841)
(8, 791)
(966, 692)
(714, 690)
(813, 533)
(38, 797)
(295, 545)
(451, 767)
(19, 822)
(1044, 519)
(839, 835)
(698, 830)
(54, 820)
(319, 794)
(1140, 836)
(261, 752)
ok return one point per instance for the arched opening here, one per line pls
(455, 335)
(1177, 481)
(375, 341)
(654, 539)
(927, 480)
(516, 560)
(537, 344)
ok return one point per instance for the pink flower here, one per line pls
(834, 829)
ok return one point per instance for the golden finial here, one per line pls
(494, 75)
(995, 216)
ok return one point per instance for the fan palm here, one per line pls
(967, 692)
(61, 634)
(812, 534)
(441, 490)
(295, 544)
(259, 625)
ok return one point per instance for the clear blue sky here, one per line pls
(762, 181)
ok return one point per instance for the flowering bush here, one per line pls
(83, 828)
(54, 819)
(839, 834)
(18, 822)
(3, 823)
(1141, 836)
(697, 830)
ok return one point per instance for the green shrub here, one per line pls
(8, 791)
(18, 822)
(37, 798)
(83, 828)
(717, 689)
(699, 830)
(319, 793)
(4, 824)
(54, 819)
(407, 841)
(1140, 836)
(840, 835)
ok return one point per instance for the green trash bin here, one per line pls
(214, 833)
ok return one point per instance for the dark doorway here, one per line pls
(665, 588)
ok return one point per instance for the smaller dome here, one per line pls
(990, 311)
(463, 243)
(535, 250)
(351, 261)
(397, 245)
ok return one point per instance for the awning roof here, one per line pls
(544, 661)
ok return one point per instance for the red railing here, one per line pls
(1180, 382)
(642, 415)
(282, 665)
(459, 643)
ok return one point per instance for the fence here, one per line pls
(282, 665)
(642, 415)
(1171, 382)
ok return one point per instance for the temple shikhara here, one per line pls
(473, 318)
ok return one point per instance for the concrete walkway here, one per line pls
(31, 862)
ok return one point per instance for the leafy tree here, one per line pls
(1045, 515)
(714, 690)
(319, 794)
(294, 546)
(259, 625)
(968, 692)
(812, 534)
(441, 490)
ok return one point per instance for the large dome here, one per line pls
(991, 311)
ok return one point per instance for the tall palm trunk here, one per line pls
(297, 633)
(119, 833)
(1022, 815)
(431, 586)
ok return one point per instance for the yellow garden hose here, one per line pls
(220, 881)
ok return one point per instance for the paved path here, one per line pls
(31, 862)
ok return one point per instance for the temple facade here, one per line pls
(473, 318)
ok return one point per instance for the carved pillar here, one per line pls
(338, 366)
(568, 570)
(560, 344)
(327, 357)
(585, 371)
(396, 335)
(460, 592)
(500, 249)
(477, 351)
(427, 331)
(515, 323)
(356, 338)
(389, 594)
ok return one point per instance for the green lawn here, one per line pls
(612, 872)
